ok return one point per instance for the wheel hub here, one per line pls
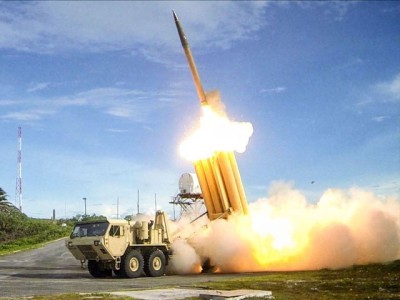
(134, 264)
(157, 263)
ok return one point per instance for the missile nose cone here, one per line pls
(175, 16)
(182, 36)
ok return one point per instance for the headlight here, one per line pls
(96, 242)
(69, 244)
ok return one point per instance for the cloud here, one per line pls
(116, 130)
(339, 9)
(380, 118)
(27, 115)
(391, 9)
(390, 89)
(123, 112)
(274, 90)
(53, 27)
(384, 91)
(5, 102)
(124, 103)
(38, 87)
(354, 62)
(117, 102)
(335, 10)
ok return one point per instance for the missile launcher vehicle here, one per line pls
(130, 249)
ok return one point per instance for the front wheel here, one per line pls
(96, 271)
(132, 264)
(155, 264)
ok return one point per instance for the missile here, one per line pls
(192, 65)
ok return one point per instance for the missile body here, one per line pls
(192, 65)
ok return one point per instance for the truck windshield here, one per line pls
(92, 229)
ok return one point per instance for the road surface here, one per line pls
(53, 270)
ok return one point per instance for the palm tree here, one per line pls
(5, 205)
(3, 196)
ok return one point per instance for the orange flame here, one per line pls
(215, 133)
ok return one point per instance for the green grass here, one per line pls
(376, 281)
(82, 296)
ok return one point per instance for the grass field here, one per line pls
(375, 281)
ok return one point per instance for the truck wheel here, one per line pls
(96, 271)
(155, 264)
(132, 264)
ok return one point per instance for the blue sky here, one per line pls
(104, 96)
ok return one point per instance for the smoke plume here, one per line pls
(285, 232)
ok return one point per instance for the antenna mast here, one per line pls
(18, 189)
(138, 201)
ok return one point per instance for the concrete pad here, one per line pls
(175, 293)
(236, 295)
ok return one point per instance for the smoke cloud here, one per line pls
(285, 232)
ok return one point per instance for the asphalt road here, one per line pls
(53, 270)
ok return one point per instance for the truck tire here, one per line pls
(155, 264)
(96, 271)
(132, 264)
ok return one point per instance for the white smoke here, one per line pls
(285, 232)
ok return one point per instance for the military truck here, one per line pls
(128, 248)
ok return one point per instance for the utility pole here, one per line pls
(84, 199)
(18, 188)
(117, 208)
(138, 201)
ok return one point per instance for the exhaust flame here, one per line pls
(215, 133)
(285, 232)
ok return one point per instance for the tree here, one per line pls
(3, 195)
(10, 217)
(5, 205)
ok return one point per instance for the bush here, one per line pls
(18, 231)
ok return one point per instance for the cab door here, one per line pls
(117, 240)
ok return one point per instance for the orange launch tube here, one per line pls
(213, 185)
(198, 165)
(230, 182)
(219, 179)
(238, 181)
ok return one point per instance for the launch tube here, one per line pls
(190, 59)
(239, 184)
(230, 181)
(205, 188)
(224, 197)
(209, 171)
